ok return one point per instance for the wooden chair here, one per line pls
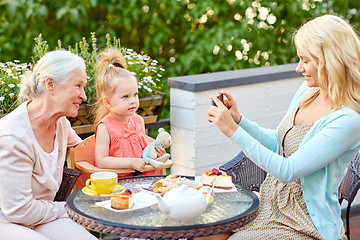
(82, 158)
(247, 174)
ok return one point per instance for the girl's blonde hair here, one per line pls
(111, 66)
(334, 49)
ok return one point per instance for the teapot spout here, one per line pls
(163, 206)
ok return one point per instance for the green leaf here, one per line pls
(61, 12)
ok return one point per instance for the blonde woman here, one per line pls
(33, 142)
(306, 157)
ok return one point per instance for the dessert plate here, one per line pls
(92, 192)
(219, 190)
(142, 200)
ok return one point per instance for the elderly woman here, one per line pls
(33, 142)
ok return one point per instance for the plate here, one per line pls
(91, 192)
(141, 200)
(219, 190)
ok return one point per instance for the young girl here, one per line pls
(120, 132)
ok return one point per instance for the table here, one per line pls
(228, 211)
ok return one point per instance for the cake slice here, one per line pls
(123, 200)
(215, 177)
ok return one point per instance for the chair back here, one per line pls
(85, 151)
(351, 182)
(244, 172)
(68, 182)
(349, 187)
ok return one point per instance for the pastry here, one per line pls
(164, 185)
(217, 178)
(123, 200)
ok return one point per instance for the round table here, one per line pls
(228, 211)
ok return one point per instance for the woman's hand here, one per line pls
(231, 105)
(225, 116)
(139, 164)
(160, 151)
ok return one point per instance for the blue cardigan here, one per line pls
(320, 162)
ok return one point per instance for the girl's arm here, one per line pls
(159, 150)
(102, 158)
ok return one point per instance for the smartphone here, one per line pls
(220, 97)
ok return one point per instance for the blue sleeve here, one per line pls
(324, 143)
(267, 137)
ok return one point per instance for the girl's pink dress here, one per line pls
(127, 140)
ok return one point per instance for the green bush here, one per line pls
(146, 69)
(185, 36)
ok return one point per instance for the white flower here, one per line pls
(2, 99)
(11, 85)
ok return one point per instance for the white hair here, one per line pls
(58, 65)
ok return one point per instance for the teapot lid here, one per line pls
(183, 190)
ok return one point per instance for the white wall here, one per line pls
(199, 146)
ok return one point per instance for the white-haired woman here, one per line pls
(33, 142)
(306, 157)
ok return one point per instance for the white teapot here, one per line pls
(184, 203)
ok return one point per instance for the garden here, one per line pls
(181, 37)
(143, 67)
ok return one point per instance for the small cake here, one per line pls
(215, 177)
(166, 184)
(123, 200)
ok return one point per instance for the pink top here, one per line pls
(127, 140)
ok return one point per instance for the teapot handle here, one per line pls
(208, 193)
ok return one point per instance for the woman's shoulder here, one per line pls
(16, 122)
(344, 119)
(345, 114)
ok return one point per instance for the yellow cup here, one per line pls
(102, 182)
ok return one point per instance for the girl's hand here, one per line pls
(160, 151)
(224, 115)
(139, 164)
(231, 105)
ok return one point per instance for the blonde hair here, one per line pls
(111, 66)
(334, 49)
(57, 64)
